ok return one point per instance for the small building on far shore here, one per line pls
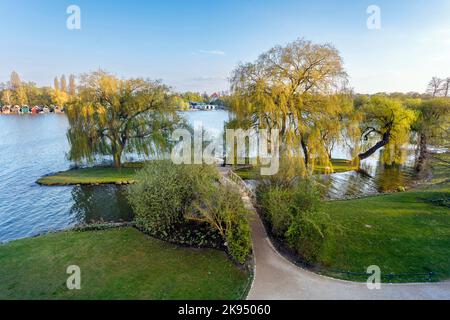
(35, 110)
(201, 106)
(6, 110)
(58, 109)
(25, 110)
(15, 109)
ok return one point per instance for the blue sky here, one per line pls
(195, 44)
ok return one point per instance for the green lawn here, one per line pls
(401, 233)
(253, 173)
(339, 165)
(115, 264)
(96, 175)
(440, 165)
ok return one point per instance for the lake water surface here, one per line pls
(33, 146)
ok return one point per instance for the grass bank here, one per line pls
(115, 264)
(339, 165)
(92, 176)
(401, 233)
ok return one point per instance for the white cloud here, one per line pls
(213, 52)
(203, 83)
(207, 78)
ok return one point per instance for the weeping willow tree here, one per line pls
(432, 125)
(385, 123)
(298, 89)
(111, 116)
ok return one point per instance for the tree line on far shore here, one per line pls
(21, 93)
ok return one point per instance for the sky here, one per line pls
(195, 44)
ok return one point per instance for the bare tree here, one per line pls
(435, 86)
(446, 87)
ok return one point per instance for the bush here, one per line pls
(275, 203)
(164, 193)
(160, 197)
(293, 215)
(222, 208)
(186, 204)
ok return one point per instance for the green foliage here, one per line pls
(186, 204)
(163, 194)
(193, 97)
(222, 207)
(178, 102)
(291, 169)
(294, 216)
(433, 120)
(388, 121)
(298, 89)
(111, 116)
(309, 225)
(276, 204)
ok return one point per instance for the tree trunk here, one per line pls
(305, 152)
(117, 149)
(117, 159)
(423, 155)
(378, 145)
(117, 154)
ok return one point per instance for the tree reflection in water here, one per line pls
(372, 178)
(100, 204)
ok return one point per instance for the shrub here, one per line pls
(160, 197)
(164, 193)
(275, 203)
(306, 235)
(293, 214)
(186, 204)
(222, 208)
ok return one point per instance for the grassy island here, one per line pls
(91, 176)
(339, 165)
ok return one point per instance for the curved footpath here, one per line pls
(276, 278)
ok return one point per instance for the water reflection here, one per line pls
(100, 204)
(33, 146)
(374, 177)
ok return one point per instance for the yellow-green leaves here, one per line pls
(388, 121)
(298, 90)
(111, 116)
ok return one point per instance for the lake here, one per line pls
(33, 146)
